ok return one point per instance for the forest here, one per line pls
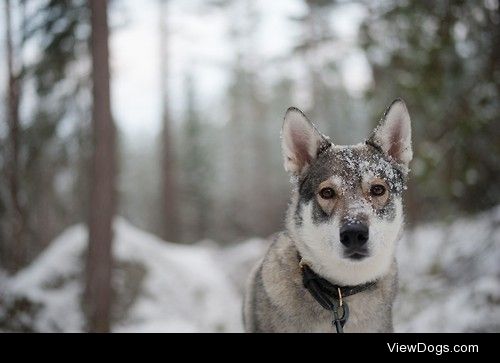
(160, 120)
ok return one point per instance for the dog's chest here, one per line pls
(363, 317)
(281, 303)
(322, 327)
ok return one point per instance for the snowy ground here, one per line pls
(450, 282)
(450, 277)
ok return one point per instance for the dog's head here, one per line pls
(346, 211)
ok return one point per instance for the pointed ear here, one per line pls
(393, 134)
(300, 141)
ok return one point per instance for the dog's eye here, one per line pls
(377, 190)
(327, 193)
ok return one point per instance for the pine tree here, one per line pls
(43, 154)
(444, 62)
(16, 227)
(170, 204)
(102, 197)
(63, 64)
(196, 170)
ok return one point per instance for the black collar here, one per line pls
(324, 292)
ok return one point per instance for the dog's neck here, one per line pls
(348, 273)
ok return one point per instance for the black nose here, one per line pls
(354, 235)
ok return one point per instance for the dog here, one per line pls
(343, 223)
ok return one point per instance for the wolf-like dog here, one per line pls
(344, 220)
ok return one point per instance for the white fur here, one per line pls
(338, 182)
(320, 247)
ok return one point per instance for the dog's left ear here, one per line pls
(393, 134)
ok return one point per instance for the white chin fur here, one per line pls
(320, 246)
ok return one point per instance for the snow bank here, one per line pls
(449, 278)
(184, 288)
(180, 288)
(51, 287)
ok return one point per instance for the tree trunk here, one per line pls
(17, 245)
(102, 198)
(170, 223)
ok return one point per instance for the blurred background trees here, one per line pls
(215, 170)
(44, 149)
(169, 212)
(443, 58)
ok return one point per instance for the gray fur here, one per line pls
(276, 300)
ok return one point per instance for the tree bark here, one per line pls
(17, 246)
(170, 223)
(102, 198)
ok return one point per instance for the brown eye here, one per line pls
(327, 193)
(377, 190)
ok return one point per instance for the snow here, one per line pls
(183, 288)
(42, 282)
(449, 282)
(450, 277)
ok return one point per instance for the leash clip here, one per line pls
(303, 264)
(339, 321)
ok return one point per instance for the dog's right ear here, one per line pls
(393, 134)
(300, 141)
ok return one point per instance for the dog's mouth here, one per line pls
(356, 254)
